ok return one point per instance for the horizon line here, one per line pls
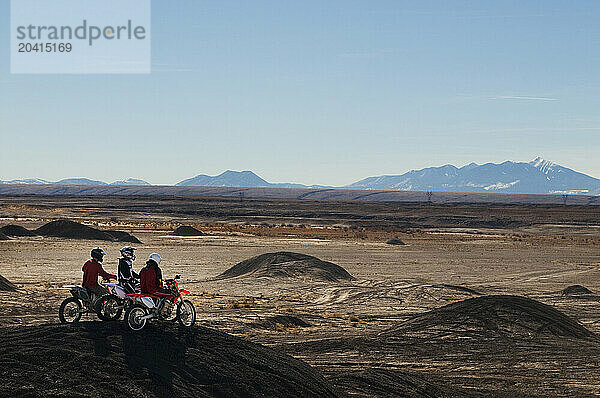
(50, 182)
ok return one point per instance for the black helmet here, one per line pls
(128, 252)
(98, 254)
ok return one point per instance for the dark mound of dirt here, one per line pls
(576, 290)
(74, 230)
(391, 383)
(6, 285)
(121, 236)
(283, 320)
(16, 230)
(496, 315)
(395, 241)
(186, 230)
(96, 359)
(3, 237)
(288, 265)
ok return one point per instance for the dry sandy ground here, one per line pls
(393, 283)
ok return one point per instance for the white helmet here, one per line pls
(155, 257)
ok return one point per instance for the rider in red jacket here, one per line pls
(151, 276)
(91, 269)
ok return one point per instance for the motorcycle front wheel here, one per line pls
(134, 317)
(108, 308)
(70, 310)
(186, 313)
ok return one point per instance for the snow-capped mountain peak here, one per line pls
(538, 176)
(545, 166)
(130, 181)
(26, 181)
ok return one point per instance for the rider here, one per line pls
(151, 276)
(127, 276)
(151, 280)
(91, 269)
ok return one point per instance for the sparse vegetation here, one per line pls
(246, 302)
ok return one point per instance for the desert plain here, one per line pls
(375, 334)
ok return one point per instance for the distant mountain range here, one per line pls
(76, 181)
(242, 179)
(538, 176)
(130, 181)
(226, 179)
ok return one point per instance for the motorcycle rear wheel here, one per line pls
(133, 317)
(186, 313)
(70, 310)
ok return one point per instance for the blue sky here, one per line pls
(319, 93)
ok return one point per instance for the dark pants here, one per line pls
(96, 291)
(128, 285)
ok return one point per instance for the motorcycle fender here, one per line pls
(184, 291)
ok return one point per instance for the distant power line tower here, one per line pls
(429, 195)
(565, 198)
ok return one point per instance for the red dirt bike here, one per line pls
(160, 306)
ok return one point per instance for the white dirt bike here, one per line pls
(81, 302)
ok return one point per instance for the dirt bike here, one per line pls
(111, 306)
(72, 308)
(160, 306)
